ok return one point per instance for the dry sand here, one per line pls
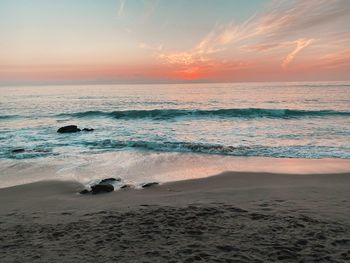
(232, 217)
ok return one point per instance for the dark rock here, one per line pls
(146, 185)
(102, 188)
(68, 129)
(20, 150)
(126, 186)
(84, 192)
(107, 180)
(88, 129)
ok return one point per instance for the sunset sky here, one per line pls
(150, 41)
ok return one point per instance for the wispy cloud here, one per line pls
(287, 18)
(334, 60)
(149, 8)
(144, 45)
(282, 25)
(300, 45)
(261, 47)
(121, 8)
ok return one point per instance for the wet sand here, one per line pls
(231, 217)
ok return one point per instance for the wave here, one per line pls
(164, 114)
(115, 145)
(6, 117)
(167, 146)
(218, 149)
(110, 145)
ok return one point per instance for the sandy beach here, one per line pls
(231, 217)
(148, 131)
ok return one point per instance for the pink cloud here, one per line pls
(300, 45)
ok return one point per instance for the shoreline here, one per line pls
(227, 187)
(136, 168)
(230, 217)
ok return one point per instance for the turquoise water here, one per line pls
(293, 120)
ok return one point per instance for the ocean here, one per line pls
(140, 131)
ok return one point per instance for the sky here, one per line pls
(163, 41)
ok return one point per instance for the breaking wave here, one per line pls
(164, 114)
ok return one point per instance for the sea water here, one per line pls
(141, 131)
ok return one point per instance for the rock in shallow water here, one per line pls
(88, 129)
(21, 150)
(68, 129)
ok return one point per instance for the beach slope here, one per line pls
(231, 217)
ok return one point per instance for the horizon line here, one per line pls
(92, 83)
